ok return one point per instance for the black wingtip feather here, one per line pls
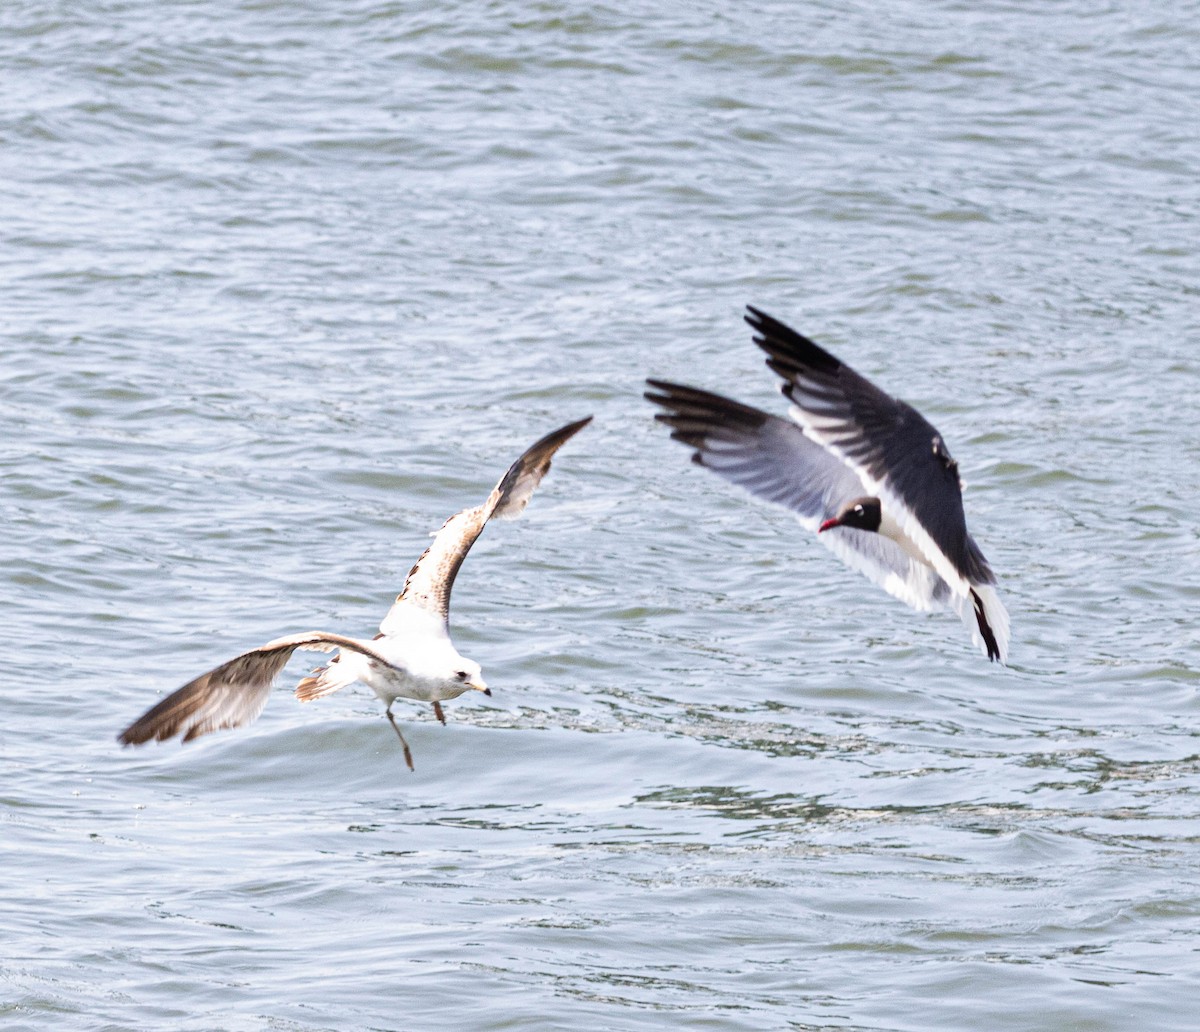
(698, 418)
(790, 352)
(695, 406)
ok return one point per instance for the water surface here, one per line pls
(288, 284)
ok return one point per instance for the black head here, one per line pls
(861, 513)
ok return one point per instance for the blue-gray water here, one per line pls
(286, 284)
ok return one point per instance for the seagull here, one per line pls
(865, 471)
(411, 658)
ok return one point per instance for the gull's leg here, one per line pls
(437, 711)
(407, 751)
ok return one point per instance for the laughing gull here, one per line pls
(411, 658)
(867, 472)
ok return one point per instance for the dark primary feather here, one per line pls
(888, 439)
(431, 579)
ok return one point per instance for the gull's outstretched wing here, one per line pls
(900, 457)
(430, 581)
(234, 693)
(768, 456)
(773, 459)
(897, 453)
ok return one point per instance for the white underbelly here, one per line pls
(389, 684)
(888, 527)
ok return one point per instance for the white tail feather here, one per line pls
(994, 615)
(328, 679)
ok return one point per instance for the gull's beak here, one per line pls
(829, 525)
(480, 686)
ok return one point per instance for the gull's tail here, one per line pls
(341, 671)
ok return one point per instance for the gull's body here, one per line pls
(412, 657)
(866, 472)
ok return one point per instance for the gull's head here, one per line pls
(468, 676)
(861, 513)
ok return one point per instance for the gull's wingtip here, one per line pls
(557, 438)
(789, 352)
(661, 391)
(760, 321)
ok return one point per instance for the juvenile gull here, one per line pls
(411, 658)
(865, 471)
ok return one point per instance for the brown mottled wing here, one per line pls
(232, 694)
(431, 579)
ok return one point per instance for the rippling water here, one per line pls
(287, 284)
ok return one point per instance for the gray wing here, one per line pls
(899, 455)
(768, 456)
(232, 694)
(773, 459)
(431, 579)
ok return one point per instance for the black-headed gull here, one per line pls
(868, 473)
(411, 658)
